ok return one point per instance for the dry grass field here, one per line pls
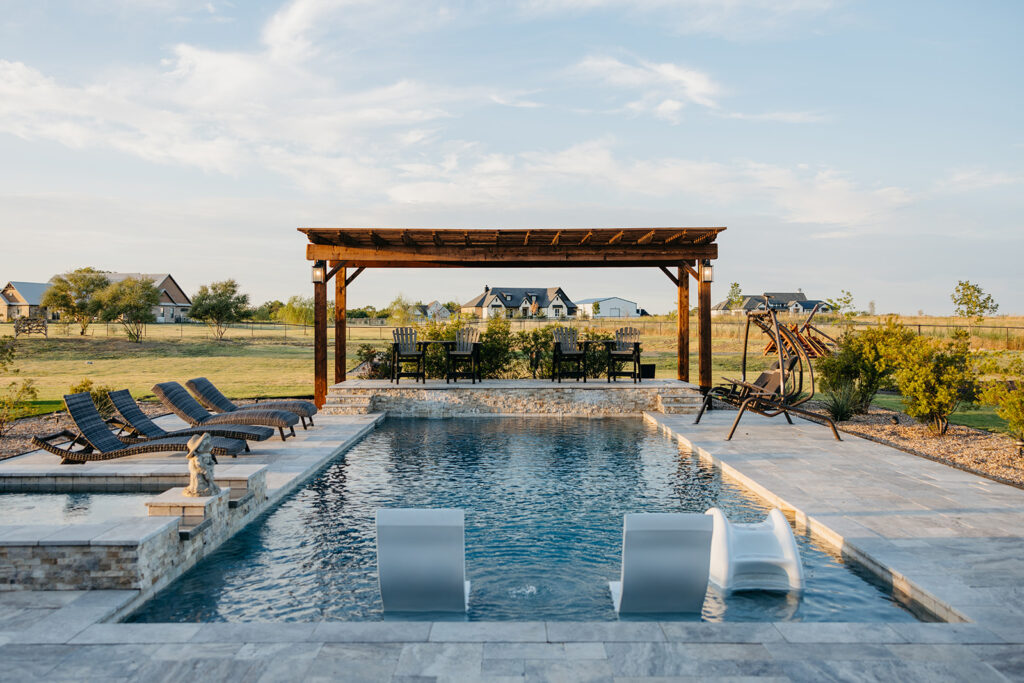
(264, 360)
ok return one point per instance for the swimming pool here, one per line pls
(70, 508)
(544, 500)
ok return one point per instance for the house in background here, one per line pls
(782, 302)
(609, 307)
(520, 302)
(435, 310)
(22, 300)
(174, 303)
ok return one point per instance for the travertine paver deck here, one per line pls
(956, 533)
(956, 537)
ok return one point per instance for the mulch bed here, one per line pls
(984, 453)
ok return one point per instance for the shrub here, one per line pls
(842, 402)
(535, 347)
(15, 397)
(1007, 395)
(596, 362)
(865, 360)
(936, 378)
(438, 330)
(379, 361)
(496, 352)
(99, 396)
(14, 402)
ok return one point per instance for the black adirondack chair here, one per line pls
(465, 351)
(625, 349)
(405, 349)
(567, 351)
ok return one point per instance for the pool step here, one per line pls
(680, 402)
(344, 403)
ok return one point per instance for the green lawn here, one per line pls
(242, 367)
(982, 417)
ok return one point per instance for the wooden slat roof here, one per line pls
(547, 247)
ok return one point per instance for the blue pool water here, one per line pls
(544, 500)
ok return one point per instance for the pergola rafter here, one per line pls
(687, 250)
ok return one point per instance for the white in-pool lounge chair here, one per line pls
(421, 560)
(665, 559)
(758, 556)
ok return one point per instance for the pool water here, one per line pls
(70, 508)
(544, 500)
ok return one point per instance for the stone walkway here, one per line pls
(945, 536)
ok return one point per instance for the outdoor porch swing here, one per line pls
(779, 390)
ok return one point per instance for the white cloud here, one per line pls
(745, 19)
(970, 180)
(780, 116)
(664, 89)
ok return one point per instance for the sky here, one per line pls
(875, 147)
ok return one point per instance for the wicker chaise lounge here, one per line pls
(181, 403)
(99, 443)
(212, 399)
(140, 424)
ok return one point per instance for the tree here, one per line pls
(735, 296)
(399, 311)
(597, 308)
(74, 295)
(218, 305)
(935, 379)
(129, 302)
(266, 311)
(297, 311)
(842, 305)
(454, 307)
(970, 301)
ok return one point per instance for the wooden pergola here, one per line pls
(680, 253)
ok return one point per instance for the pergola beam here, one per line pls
(682, 250)
(482, 256)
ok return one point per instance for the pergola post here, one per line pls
(703, 329)
(682, 325)
(319, 343)
(340, 330)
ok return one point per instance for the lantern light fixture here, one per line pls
(319, 272)
(707, 271)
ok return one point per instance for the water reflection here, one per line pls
(544, 500)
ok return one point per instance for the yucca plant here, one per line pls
(842, 402)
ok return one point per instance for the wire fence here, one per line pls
(724, 332)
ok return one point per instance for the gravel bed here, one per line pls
(984, 453)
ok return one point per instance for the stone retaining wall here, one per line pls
(144, 553)
(556, 400)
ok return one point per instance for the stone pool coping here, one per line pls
(952, 534)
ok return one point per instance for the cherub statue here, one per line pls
(200, 467)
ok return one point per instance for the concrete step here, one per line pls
(680, 403)
(346, 404)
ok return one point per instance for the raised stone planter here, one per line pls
(436, 399)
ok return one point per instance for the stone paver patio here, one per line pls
(951, 540)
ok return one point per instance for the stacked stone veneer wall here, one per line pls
(556, 400)
(143, 554)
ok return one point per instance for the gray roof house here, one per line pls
(520, 302)
(780, 301)
(22, 300)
